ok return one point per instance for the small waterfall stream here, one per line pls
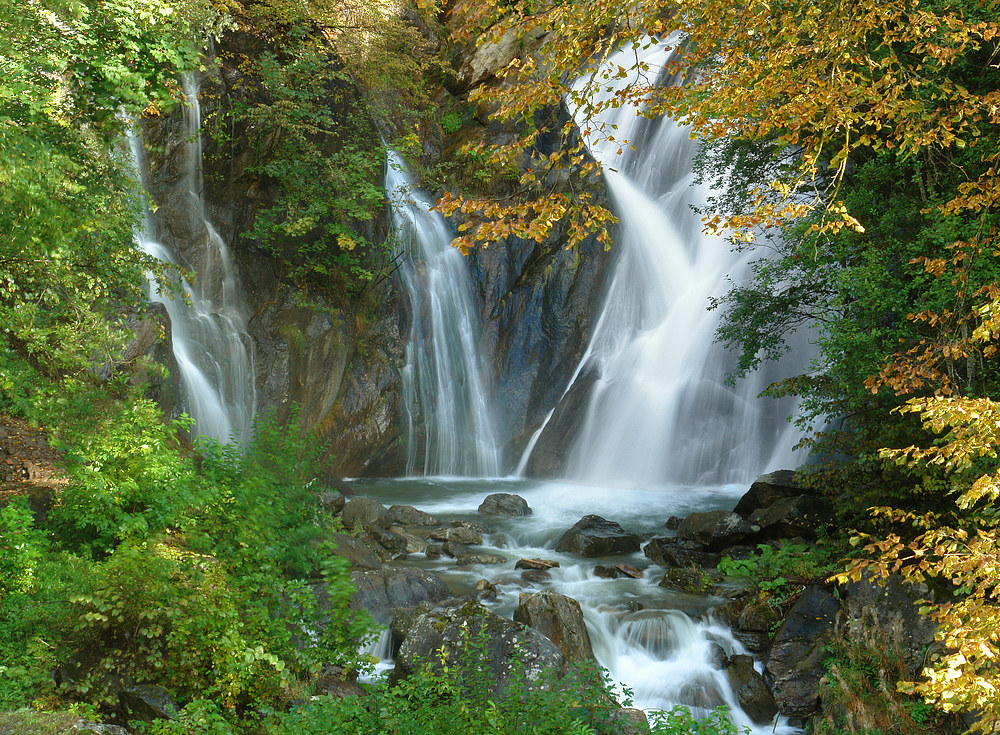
(451, 421)
(208, 318)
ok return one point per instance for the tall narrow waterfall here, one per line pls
(660, 410)
(208, 319)
(451, 420)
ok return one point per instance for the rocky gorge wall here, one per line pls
(340, 359)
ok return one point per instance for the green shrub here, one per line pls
(780, 571)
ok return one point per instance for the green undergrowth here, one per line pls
(192, 572)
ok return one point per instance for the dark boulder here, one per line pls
(595, 536)
(455, 549)
(366, 513)
(560, 619)
(884, 613)
(504, 504)
(414, 544)
(395, 544)
(147, 703)
(751, 690)
(451, 636)
(356, 552)
(459, 534)
(801, 515)
(332, 501)
(380, 592)
(407, 515)
(535, 576)
(690, 580)
(716, 529)
(795, 662)
(767, 490)
(668, 552)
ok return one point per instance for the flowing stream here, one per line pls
(451, 424)
(208, 317)
(663, 433)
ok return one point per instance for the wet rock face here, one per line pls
(668, 552)
(560, 619)
(365, 513)
(470, 639)
(596, 536)
(716, 529)
(798, 516)
(381, 591)
(767, 490)
(504, 504)
(356, 552)
(884, 613)
(751, 690)
(795, 662)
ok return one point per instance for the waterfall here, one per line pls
(660, 410)
(208, 318)
(451, 425)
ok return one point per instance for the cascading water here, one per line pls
(660, 411)
(451, 421)
(663, 433)
(208, 318)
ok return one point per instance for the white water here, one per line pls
(661, 412)
(208, 318)
(663, 651)
(451, 424)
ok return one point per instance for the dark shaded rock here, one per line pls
(801, 516)
(414, 544)
(504, 504)
(595, 536)
(366, 513)
(606, 572)
(379, 592)
(767, 490)
(543, 564)
(883, 613)
(458, 534)
(407, 515)
(635, 606)
(433, 551)
(441, 637)
(477, 526)
(751, 690)
(668, 552)
(560, 619)
(535, 575)
(795, 662)
(486, 590)
(717, 655)
(455, 549)
(147, 703)
(756, 643)
(332, 501)
(548, 457)
(694, 581)
(356, 552)
(394, 543)
(335, 682)
(674, 522)
(484, 559)
(716, 529)
(758, 617)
